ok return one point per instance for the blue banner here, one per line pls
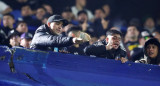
(33, 67)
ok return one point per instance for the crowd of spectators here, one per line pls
(139, 40)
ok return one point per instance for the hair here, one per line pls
(153, 41)
(112, 32)
(9, 14)
(74, 28)
(41, 7)
(82, 12)
(67, 9)
(19, 22)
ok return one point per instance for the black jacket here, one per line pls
(98, 49)
(45, 40)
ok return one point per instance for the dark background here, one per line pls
(125, 9)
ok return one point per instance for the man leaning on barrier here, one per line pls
(48, 36)
(108, 48)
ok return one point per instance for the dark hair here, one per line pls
(82, 12)
(47, 15)
(9, 14)
(67, 9)
(155, 42)
(74, 28)
(112, 32)
(152, 41)
(41, 7)
(19, 22)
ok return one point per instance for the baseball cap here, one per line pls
(26, 36)
(146, 35)
(56, 18)
(12, 33)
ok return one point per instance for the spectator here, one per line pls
(26, 39)
(14, 38)
(48, 36)
(77, 49)
(84, 23)
(103, 24)
(109, 48)
(48, 8)
(131, 39)
(40, 12)
(151, 52)
(26, 10)
(80, 5)
(137, 53)
(8, 23)
(68, 15)
(27, 16)
(22, 27)
(156, 34)
(98, 14)
(149, 25)
(106, 9)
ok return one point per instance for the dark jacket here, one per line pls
(77, 50)
(147, 59)
(99, 49)
(45, 40)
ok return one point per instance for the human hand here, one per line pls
(123, 60)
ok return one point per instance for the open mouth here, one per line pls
(116, 45)
(150, 53)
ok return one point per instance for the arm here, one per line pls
(96, 50)
(44, 39)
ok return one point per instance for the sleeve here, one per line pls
(95, 50)
(43, 39)
(123, 53)
(3, 6)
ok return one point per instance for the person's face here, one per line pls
(26, 11)
(132, 31)
(106, 9)
(40, 13)
(82, 18)
(67, 15)
(114, 40)
(25, 43)
(152, 50)
(49, 9)
(8, 21)
(82, 2)
(99, 13)
(156, 35)
(149, 23)
(22, 28)
(56, 27)
(14, 40)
